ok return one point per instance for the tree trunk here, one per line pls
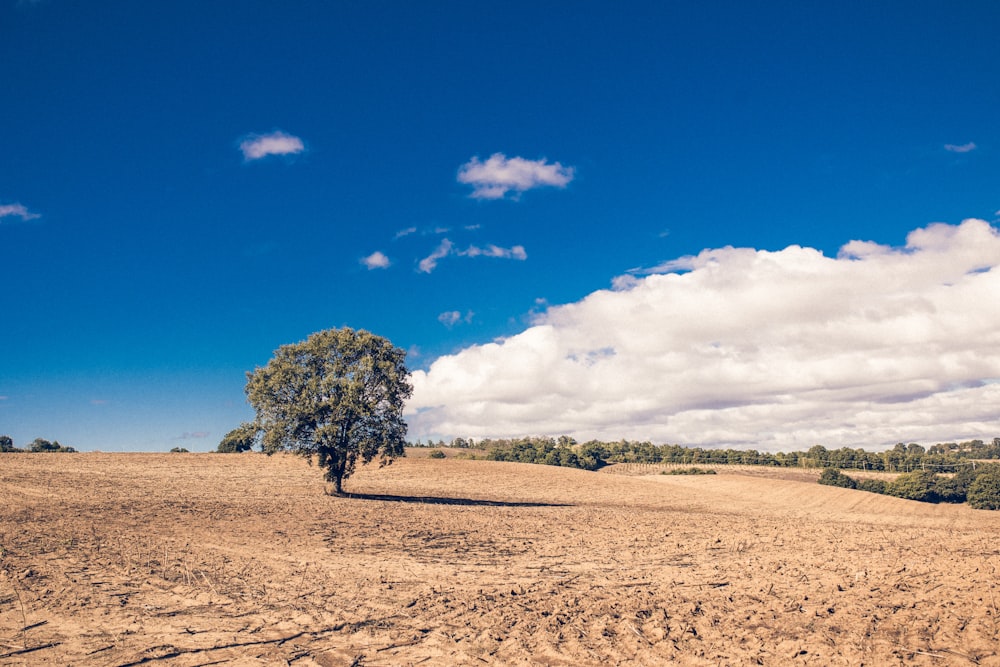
(337, 462)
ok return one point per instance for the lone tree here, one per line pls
(338, 395)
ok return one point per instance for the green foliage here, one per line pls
(436, 454)
(179, 450)
(7, 445)
(917, 485)
(43, 445)
(547, 451)
(38, 445)
(338, 395)
(927, 486)
(240, 439)
(833, 477)
(871, 485)
(689, 471)
(984, 491)
(955, 489)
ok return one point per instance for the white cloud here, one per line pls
(453, 317)
(429, 263)
(501, 175)
(749, 348)
(404, 232)
(446, 248)
(516, 252)
(17, 211)
(257, 146)
(376, 260)
(963, 148)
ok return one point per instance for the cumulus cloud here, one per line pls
(376, 260)
(963, 148)
(257, 146)
(499, 176)
(750, 348)
(446, 248)
(16, 211)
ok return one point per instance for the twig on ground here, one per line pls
(30, 650)
(941, 654)
(182, 651)
(639, 634)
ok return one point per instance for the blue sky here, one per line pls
(186, 186)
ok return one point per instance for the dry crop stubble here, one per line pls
(184, 559)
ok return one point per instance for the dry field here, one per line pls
(198, 559)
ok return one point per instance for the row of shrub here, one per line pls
(978, 485)
(37, 445)
(689, 471)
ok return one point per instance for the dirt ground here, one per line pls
(204, 559)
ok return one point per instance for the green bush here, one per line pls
(43, 445)
(871, 485)
(984, 491)
(689, 471)
(917, 485)
(436, 454)
(240, 439)
(833, 477)
(955, 489)
(7, 444)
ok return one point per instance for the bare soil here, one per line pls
(202, 559)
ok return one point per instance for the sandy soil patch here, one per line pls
(197, 559)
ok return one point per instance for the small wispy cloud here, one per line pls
(429, 263)
(404, 232)
(453, 317)
(960, 148)
(257, 146)
(515, 252)
(446, 248)
(17, 211)
(499, 176)
(192, 435)
(376, 260)
(98, 401)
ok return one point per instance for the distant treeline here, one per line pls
(37, 445)
(594, 454)
(977, 485)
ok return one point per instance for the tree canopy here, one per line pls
(240, 439)
(337, 395)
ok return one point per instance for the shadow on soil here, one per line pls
(434, 500)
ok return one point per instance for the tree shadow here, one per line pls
(435, 500)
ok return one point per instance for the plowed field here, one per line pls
(199, 559)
